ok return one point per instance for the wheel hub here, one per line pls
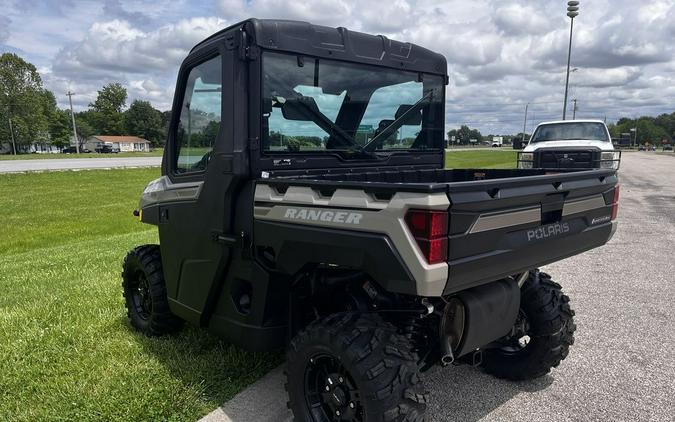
(330, 391)
(141, 295)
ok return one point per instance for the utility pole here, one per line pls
(636, 135)
(525, 123)
(574, 110)
(11, 131)
(72, 115)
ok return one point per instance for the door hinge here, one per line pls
(247, 49)
(243, 241)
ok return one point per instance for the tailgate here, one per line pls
(503, 227)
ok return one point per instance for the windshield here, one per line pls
(319, 105)
(592, 131)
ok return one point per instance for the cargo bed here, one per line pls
(501, 222)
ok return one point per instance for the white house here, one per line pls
(121, 143)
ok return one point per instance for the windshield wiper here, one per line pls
(393, 126)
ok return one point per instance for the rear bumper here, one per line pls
(514, 253)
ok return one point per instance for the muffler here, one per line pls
(476, 317)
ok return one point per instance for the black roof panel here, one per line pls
(337, 43)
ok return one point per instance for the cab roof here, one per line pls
(573, 121)
(334, 43)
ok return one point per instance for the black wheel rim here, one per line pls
(140, 294)
(330, 391)
(521, 338)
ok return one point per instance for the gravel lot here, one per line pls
(622, 365)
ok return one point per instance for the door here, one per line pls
(199, 165)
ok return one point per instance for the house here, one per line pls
(120, 143)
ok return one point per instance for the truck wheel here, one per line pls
(543, 333)
(353, 367)
(144, 292)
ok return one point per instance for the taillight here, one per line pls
(430, 230)
(615, 202)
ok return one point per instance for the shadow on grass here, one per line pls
(214, 368)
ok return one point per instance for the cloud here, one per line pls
(114, 9)
(118, 47)
(325, 12)
(501, 54)
(4, 28)
(516, 19)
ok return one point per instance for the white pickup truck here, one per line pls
(570, 144)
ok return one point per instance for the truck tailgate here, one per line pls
(502, 227)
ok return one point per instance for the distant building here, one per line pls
(119, 143)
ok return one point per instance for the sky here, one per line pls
(501, 54)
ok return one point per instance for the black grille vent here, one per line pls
(575, 159)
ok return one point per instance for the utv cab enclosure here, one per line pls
(304, 204)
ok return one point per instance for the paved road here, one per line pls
(622, 365)
(13, 166)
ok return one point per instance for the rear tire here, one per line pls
(550, 329)
(353, 367)
(144, 291)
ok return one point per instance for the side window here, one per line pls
(199, 116)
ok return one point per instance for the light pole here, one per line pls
(572, 12)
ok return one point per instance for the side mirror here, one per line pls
(302, 109)
(414, 119)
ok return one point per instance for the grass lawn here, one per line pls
(66, 350)
(154, 153)
(484, 159)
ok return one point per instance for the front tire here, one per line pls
(144, 292)
(353, 367)
(545, 331)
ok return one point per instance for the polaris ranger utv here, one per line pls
(304, 203)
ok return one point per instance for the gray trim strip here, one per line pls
(574, 207)
(487, 222)
(163, 191)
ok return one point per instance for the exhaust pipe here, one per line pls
(452, 329)
(447, 357)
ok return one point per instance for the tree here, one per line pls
(84, 131)
(143, 120)
(166, 121)
(107, 117)
(648, 129)
(464, 134)
(23, 101)
(60, 128)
